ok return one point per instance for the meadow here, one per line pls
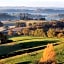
(26, 42)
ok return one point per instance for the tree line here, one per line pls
(36, 32)
(42, 29)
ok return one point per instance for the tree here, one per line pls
(31, 33)
(18, 32)
(26, 31)
(60, 35)
(30, 24)
(10, 32)
(39, 32)
(34, 25)
(48, 55)
(42, 19)
(3, 38)
(17, 24)
(51, 32)
(20, 24)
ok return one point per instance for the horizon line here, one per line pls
(34, 6)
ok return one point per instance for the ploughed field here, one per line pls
(28, 49)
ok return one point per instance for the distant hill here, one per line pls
(13, 13)
(31, 9)
(5, 16)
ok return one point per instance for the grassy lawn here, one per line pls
(29, 41)
(60, 52)
(25, 42)
(29, 58)
(32, 57)
(23, 38)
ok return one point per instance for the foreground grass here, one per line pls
(22, 38)
(23, 42)
(28, 58)
(32, 57)
(60, 52)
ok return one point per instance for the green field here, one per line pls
(30, 42)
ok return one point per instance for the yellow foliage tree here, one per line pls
(48, 55)
(51, 32)
(39, 32)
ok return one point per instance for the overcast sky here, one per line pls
(33, 3)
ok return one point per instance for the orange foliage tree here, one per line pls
(10, 32)
(26, 31)
(60, 35)
(48, 55)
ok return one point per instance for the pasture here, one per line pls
(26, 42)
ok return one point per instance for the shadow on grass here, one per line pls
(27, 62)
(36, 43)
(11, 48)
(8, 41)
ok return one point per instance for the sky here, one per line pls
(33, 3)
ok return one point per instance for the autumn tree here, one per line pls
(31, 33)
(48, 55)
(39, 32)
(60, 35)
(51, 32)
(18, 32)
(26, 31)
(10, 32)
